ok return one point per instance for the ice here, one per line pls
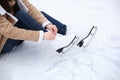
(99, 61)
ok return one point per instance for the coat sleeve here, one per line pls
(35, 13)
(10, 31)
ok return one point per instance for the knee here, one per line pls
(42, 12)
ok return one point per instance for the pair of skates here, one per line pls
(72, 40)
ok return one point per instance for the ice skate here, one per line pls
(85, 41)
(62, 43)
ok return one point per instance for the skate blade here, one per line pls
(92, 34)
(94, 30)
(68, 47)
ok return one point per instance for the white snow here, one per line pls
(99, 61)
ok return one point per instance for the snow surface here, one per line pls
(99, 61)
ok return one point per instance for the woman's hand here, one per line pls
(49, 36)
(52, 28)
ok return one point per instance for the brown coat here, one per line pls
(8, 30)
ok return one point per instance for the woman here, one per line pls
(20, 20)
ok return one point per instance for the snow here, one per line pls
(99, 61)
